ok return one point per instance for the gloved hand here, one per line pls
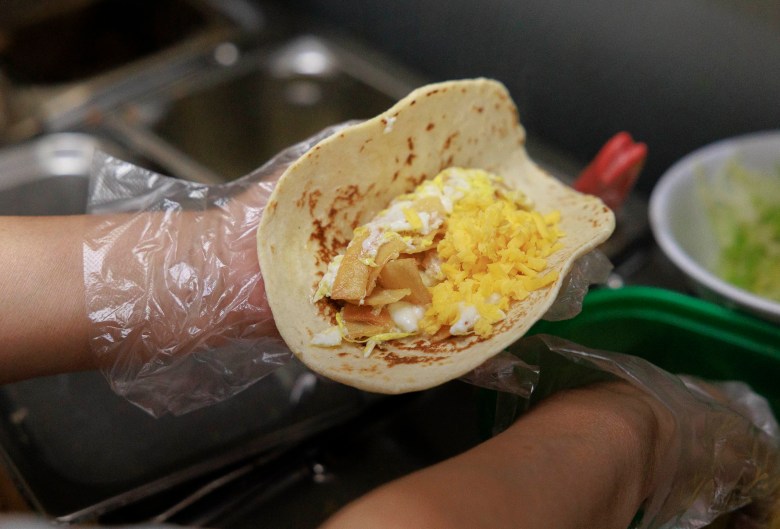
(174, 292)
(722, 449)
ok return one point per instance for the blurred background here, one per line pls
(208, 90)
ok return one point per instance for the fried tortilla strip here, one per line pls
(404, 273)
(386, 253)
(363, 321)
(382, 296)
(353, 275)
(358, 332)
(366, 314)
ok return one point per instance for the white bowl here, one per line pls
(680, 225)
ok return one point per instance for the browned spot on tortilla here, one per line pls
(368, 140)
(349, 195)
(395, 176)
(414, 181)
(479, 109)
(317, 236)
(446, 163)
(432, 92)
(272, 248)
(410, 143)
(412, 102)
(393, 359)
(410, 158)
(430, 126)
(515, 115)
(342, 354)
(326, 247)
(272, 206)
(326, 308)
(450, 138)
(314, 198)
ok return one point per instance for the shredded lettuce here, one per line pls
(743, 205)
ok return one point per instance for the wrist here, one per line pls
(610, 438)
(43, 319)
(638, 429)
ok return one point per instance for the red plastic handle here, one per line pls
(614, 171)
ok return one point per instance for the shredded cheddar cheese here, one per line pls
(493, 252)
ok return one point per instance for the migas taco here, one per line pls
(404, 251)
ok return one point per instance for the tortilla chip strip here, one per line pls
(404, 273)
(362, 321)
(382, 296)
(352, 278)
(386, 253)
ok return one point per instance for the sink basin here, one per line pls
(250, 104)
(56, 58)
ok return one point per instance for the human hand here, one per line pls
(175, 296)
(718, 444)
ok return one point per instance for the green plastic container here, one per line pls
(679, 333)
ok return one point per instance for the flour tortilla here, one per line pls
(347, 178)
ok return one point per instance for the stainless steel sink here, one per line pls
(250, 103)
(58, 57)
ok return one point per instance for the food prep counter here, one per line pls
(210, 103)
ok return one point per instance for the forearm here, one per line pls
(583, 458)
(43, 321)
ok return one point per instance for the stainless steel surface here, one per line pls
(248, 104)
(53, 83)
(49, 176)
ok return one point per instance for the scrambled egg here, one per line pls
(479, 245)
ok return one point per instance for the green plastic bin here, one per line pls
(679, 333)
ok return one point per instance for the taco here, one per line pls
(362, 245)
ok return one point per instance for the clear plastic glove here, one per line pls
(175, 297)
(723, 449)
